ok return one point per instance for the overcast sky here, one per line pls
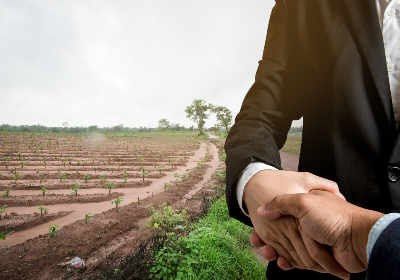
(127, 62)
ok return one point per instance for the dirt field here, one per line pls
(147, 171)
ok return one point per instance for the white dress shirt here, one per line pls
(389, 20)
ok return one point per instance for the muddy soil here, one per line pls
(15, 222)
(51, 199)
(109, 233)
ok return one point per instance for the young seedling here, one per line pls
(87, 177)
(166, 186)
(2, 209)
(125, 179)
(37, 170)
(42, 210)
(88, 217)
(112, 169)
(125, 172)
(176, 175)
(62, 177)
(102, 178)
(44, 191)
(54, 229)
(160, 168)
(118, 201)
(139, 201)
(144, 173)
(6, 193)
(110, 186)
(58, 170)
(75, 189)
(22, 164)
(3, 235)
(41, 178)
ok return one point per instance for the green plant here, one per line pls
(110, 186)
(143, 172)
(117, 202)
(88, 217)
(3, 235)
(42, 210)
(176, 175)
(160, 168)
(165, 217)
(41, 178)
(58, 170)
(87, 177)
(44, 191)
(102, 178)
(62, 177)
(75, 189)
(166, 186)
(37, 170)
(6, 193)
(125, 179)
(17, 176)
(2, 209)
(54, 229)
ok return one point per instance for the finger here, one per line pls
(269, 253)
(323, 257)
(295, 247)
(284, 264)
(311, 182)
(283, 250)
(297, 240)
(256, 241)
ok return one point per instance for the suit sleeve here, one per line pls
(385, 256)
(270, 105)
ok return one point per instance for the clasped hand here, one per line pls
(284, 238)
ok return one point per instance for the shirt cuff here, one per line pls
(377, 229)
(249, 172)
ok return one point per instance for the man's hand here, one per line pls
(283, 234)
(330, 221)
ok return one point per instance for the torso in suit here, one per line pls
(323, 60)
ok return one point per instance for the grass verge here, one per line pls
(216, 248)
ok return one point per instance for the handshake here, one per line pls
(293, 228)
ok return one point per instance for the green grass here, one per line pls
(218, 247)
(292, 144)
(296, 134)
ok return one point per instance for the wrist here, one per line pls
(366, 219)
(255, 191)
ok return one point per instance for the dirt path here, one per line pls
(79, 210)
(289, 161)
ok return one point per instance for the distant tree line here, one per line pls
(296, 129)
(77, 129)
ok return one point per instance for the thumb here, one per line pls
(286, 204)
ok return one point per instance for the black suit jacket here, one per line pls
(385, 256)
(323, 60)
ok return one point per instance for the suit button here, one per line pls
(394, 174)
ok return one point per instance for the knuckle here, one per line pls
(314, 252)
(311, 265)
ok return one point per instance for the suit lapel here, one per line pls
(365, 24)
